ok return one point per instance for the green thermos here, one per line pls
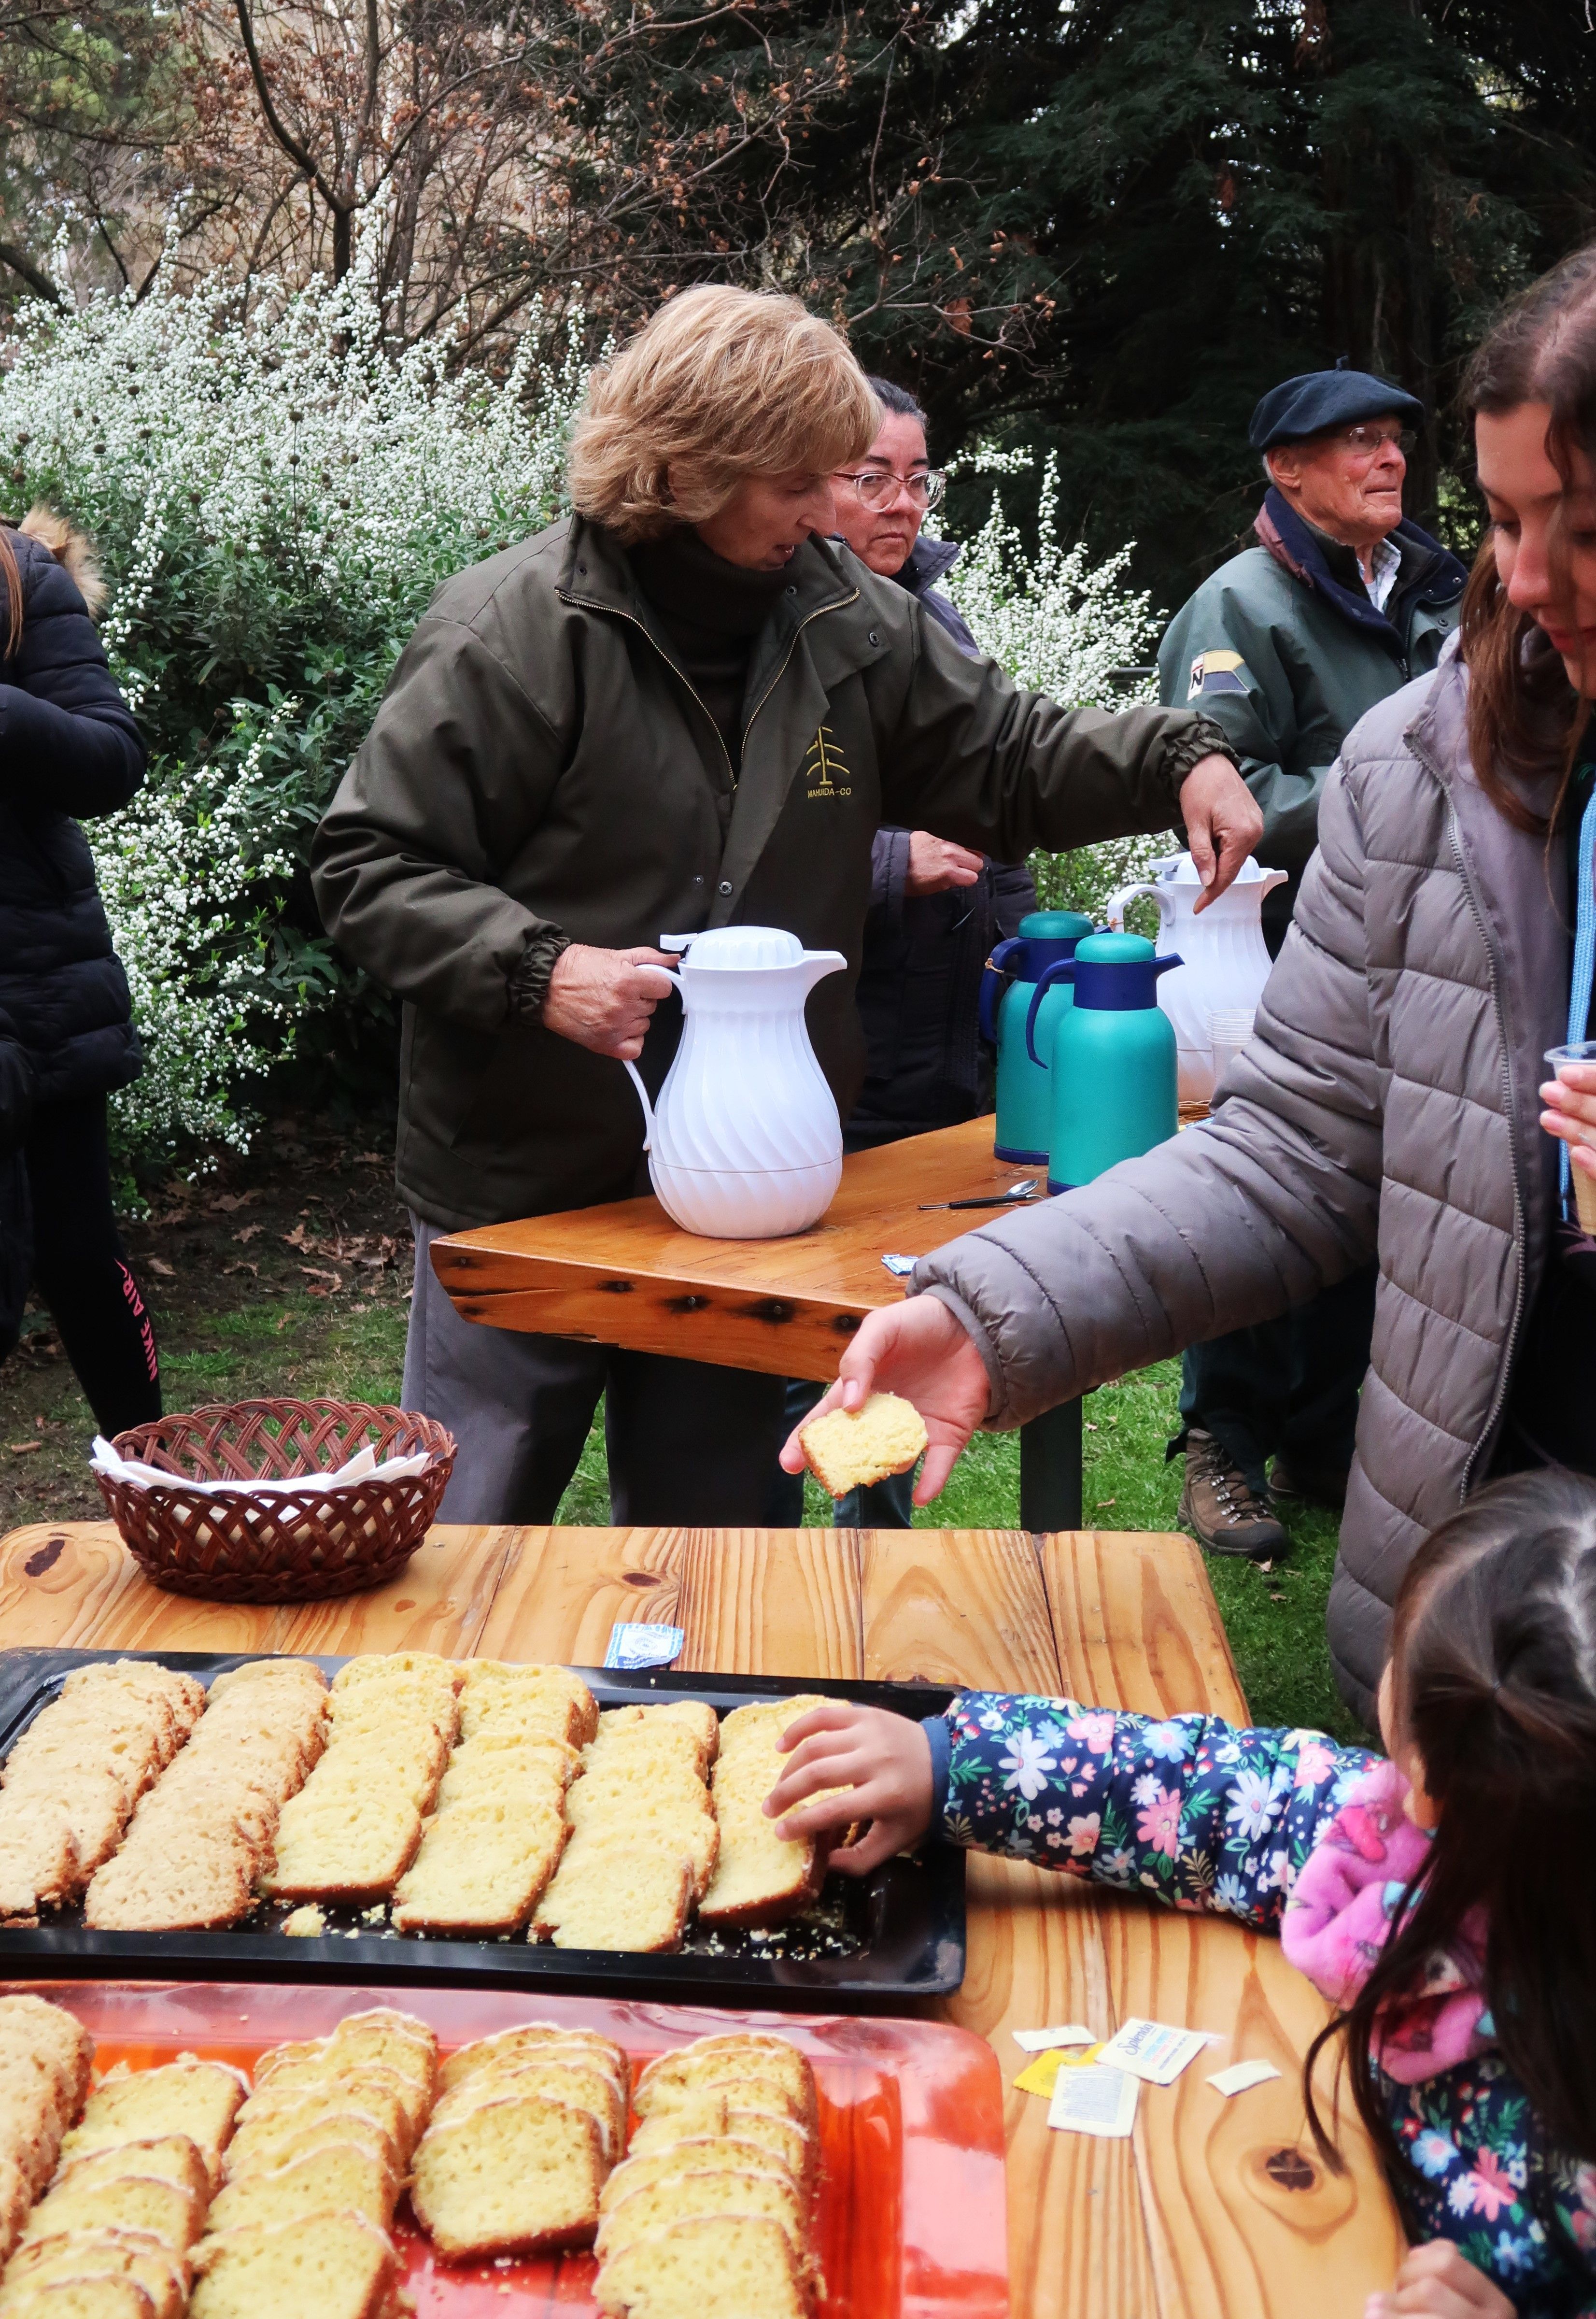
(1046, 938)
(1113, 1063)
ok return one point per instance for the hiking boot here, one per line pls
(1314, 1485)
(1218, 1505)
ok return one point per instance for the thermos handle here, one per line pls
(1061, 970)
(1114, 912)
(992, 975)
(636, 1075)
(667, 941)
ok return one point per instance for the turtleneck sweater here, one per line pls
(711, 612)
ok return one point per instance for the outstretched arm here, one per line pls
(1188, 1808)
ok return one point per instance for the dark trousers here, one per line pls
(80, 1269)
(878, 1505)
(1286, 1387)
(687, 1443)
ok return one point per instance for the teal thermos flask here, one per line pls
(1113, 1061)
(1046, 938)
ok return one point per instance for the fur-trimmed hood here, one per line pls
(72, 550)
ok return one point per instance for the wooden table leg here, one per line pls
(1050, 1470)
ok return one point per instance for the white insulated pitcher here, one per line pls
(745, 1141)
(1226, 959)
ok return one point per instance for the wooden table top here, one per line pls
(622, 1274)
(1214, 2209)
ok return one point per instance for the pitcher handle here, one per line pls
(992, 976)
(1114, 909)
(1062, 970)
(636, 1075)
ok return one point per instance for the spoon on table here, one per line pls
(1016, 1194)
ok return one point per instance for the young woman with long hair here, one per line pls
(1442, 1896)
(69, 750)
(1391, 1101)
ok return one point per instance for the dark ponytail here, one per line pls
(1493, 1654)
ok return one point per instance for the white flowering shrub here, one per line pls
(275, 498)
(1063, 626)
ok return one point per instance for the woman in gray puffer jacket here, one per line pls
(1390, 1102)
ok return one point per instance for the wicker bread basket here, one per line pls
(294, 1546)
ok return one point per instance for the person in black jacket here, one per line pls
(16, 1219)
(69, 747)
(936, 908)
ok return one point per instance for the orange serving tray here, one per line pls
(912, 2221)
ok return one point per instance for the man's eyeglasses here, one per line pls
(1367, 441)
(877, 487)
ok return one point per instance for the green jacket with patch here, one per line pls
(539, 762)
(1285, 649)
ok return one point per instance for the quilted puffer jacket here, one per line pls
(1385, 1105)
(68, 746)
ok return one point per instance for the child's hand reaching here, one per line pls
(882, 1764)
(1436, 2282)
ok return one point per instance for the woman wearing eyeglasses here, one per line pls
(936, 908)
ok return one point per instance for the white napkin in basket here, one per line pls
(362, 1467)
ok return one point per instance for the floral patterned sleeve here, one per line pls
(1197, 1813)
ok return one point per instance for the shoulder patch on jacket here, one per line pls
(1217, 672)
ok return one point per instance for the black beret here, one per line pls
(1322, 399)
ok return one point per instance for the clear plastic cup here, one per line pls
(1228, 1030)
(1582, 1050)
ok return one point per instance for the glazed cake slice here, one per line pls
(518, 2175)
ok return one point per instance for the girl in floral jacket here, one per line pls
(1442, 1896)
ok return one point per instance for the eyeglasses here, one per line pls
(877, 487)
(1367, 442)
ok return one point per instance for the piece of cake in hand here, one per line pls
(850, 1449)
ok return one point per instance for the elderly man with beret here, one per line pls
(1286, 646)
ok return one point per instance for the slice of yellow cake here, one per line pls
(711, 2266)
(519, 2174)
(852, 1448)
(324, 2265)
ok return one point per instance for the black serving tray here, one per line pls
(872, 1943)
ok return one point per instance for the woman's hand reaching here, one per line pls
(1436, 2282)
(918, 1349)
(881, 1764)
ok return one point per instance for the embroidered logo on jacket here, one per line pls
(1217, 672)
(825, 770)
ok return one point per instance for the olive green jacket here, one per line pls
(540, 763)
(1283, 648)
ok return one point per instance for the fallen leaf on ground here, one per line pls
(298, 1238)
(243, 1265)
(314, 1273)
(1103, 1504)
(370, 1160)
(20, 1448)
(247, 1234)
(159, 1265)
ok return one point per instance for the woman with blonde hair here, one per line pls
(681, 707)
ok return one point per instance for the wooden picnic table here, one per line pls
(622, 1274)
(1215, 2209)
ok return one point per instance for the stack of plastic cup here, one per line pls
(1584, 1190)
(1228, 1030)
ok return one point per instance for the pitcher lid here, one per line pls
(1054, 925)
(736, 947)
(1180, 870)
(1115, 950)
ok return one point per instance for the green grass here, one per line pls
(236, 1319)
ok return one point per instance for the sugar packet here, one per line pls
(632, 1644)
(1152, 2050)
(1094, 2100)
